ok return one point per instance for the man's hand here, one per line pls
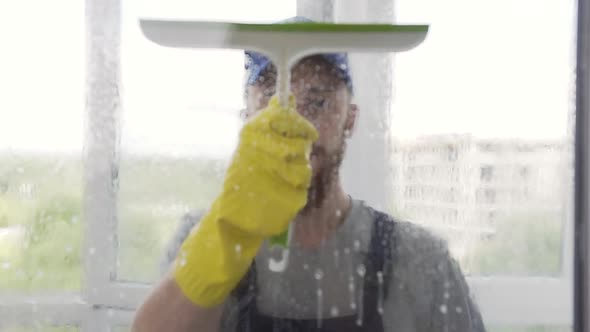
(264, 188)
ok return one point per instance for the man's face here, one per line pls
(322, 98)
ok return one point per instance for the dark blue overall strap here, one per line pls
(380, 251)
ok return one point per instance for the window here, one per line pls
(515, 160)
(452, 153)
(458, 122)
(486, 173)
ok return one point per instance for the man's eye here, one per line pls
(316, 103)
(269, 92)
(319, 103)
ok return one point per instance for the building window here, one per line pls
(486, 173)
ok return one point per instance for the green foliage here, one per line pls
(524, 244)
(153, 195)
(41, 203)
(46, 252)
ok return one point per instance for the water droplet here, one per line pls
(236, 187)
(380, 294)
(182, 261)
(110, 312)
(459, 310)
(238, 248)
(443, 309)
(338, 213)
(361, 270)
(6, 265)
(334, 311)
(320, 309)
(347, 251)
(447, 295)
(121, 295)
(250, 168)
(319, 274)
(92, 251)
(68, 249)
(357, 245)
(305, 267)
(351, 292)
(361, 296)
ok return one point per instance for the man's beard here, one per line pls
(324, 177)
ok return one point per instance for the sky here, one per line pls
(500, 68)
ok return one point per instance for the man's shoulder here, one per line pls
(420, 256)
(409, 237)
(418, 240)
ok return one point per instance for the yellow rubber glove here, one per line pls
(264, 188)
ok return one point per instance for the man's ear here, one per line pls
(351, 117)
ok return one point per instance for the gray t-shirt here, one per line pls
(427, 291)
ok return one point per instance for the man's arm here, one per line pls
(272, 162)
(168, 309)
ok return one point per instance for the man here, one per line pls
(351, 268)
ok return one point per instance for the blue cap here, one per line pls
(256, 62)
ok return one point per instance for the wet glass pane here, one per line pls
(180, 123)
(458, 137)
(41, 127)
(486, 159)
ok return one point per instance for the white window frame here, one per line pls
(105, 302)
